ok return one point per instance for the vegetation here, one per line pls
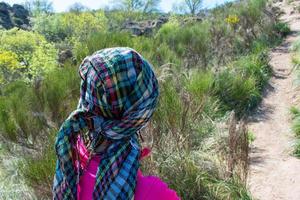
(37, 7)
(296, 128)
(192, 7)
(207, 70)
(294, 110)
(25, 55)
(144, 6)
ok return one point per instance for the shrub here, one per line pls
(76, 26)
(34, 54)
(51, 27)
(256, 66)
(16, 114)
(237, 92)
(191, 42)
(9, 65)
(282, 29)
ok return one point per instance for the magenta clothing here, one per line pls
(87, 181)
(147, 187)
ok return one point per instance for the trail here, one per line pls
(274, 173)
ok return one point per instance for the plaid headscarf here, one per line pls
(118, 95)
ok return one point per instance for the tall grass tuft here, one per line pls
(38, 168)
(296, 129)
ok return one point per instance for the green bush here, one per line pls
(239, 86)
(15, 114)
(191, 42)
(256, 66)
(237, 92)
(76, 26)
(35, 56)
(54, 97)
(282, 29)
(9, 67)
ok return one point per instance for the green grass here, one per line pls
(13, 184)
(251, 137)
(297, 148)
(39, 170)
(296, 129)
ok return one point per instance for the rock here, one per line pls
(20, 15)
(65, 55)
(276, 11)
(5, 20)
(192, 19)
(15, 16)
(144, 27)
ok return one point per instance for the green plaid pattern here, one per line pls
(118, 95)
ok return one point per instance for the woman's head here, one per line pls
(118, 84)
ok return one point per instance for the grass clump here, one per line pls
(296, 129)
(39, 170)
(282, 28)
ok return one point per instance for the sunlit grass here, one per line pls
(12, 183)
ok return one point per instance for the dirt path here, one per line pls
(274, 173)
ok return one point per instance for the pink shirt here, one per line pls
(147, 188)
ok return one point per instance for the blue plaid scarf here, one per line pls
(118, 95)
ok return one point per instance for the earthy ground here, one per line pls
(274, 172)
(12, 184)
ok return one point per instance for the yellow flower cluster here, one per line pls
(232, 19)
(9, 60)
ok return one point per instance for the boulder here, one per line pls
(20, 15)
(64, 55)
(193, 19)
(144, 27)
(15, 16)
(5, 20)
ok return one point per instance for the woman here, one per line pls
(119, 92)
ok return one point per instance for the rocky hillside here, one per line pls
(13, 16)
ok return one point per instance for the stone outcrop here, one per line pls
(64, 55)
(144, 27)
(13, 16)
